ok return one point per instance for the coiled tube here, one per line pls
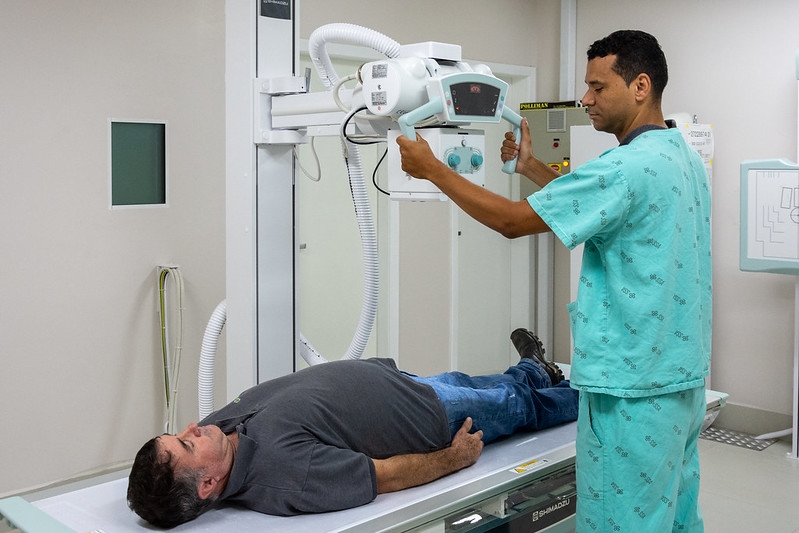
(355, 35)
(205, 377)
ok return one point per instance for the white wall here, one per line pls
(733, 64)
(81, 383)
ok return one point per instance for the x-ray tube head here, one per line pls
(393, 87)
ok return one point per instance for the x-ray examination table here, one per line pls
(524, 483)
(491, 490)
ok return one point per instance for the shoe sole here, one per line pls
(554, 372)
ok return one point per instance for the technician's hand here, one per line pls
(524, 150)
(417, 157)
(466, 447)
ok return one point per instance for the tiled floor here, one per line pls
(747, 491)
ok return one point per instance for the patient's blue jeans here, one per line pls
(521, 399)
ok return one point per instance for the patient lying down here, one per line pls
(335, 435)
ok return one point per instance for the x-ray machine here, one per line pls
(421, 84)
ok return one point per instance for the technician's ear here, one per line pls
(207, 486)
(642, 86)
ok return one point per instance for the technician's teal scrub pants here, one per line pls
(638, 463)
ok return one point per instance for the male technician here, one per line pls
(642, 319)
(333, 436)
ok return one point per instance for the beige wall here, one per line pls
(498, 31)
(81, 382)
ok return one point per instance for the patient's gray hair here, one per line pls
(160, 494)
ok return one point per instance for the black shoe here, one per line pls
(530, 347)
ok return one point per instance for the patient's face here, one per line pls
(197, 448)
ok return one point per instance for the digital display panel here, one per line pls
(475, 99)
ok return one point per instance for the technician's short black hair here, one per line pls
(636, 52)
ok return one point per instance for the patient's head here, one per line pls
(163, 492)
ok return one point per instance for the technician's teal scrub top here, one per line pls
(642, 319)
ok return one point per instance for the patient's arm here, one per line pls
(404, 471)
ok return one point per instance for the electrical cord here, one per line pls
(374, 174)
(316, 158)
(361, 139)
(171, 361)
(337, 87)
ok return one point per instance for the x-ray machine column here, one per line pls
(260, 223)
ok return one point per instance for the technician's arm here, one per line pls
(405, 471)
(511, 219)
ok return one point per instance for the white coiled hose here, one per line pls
(205, 377)
(363, 215)
(343, 33)
(353, 35)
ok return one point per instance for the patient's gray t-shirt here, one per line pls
(306, 439)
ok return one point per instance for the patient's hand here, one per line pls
(403, 471)
(466, 446)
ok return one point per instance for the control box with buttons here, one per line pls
(550, 124)
(461, 149)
